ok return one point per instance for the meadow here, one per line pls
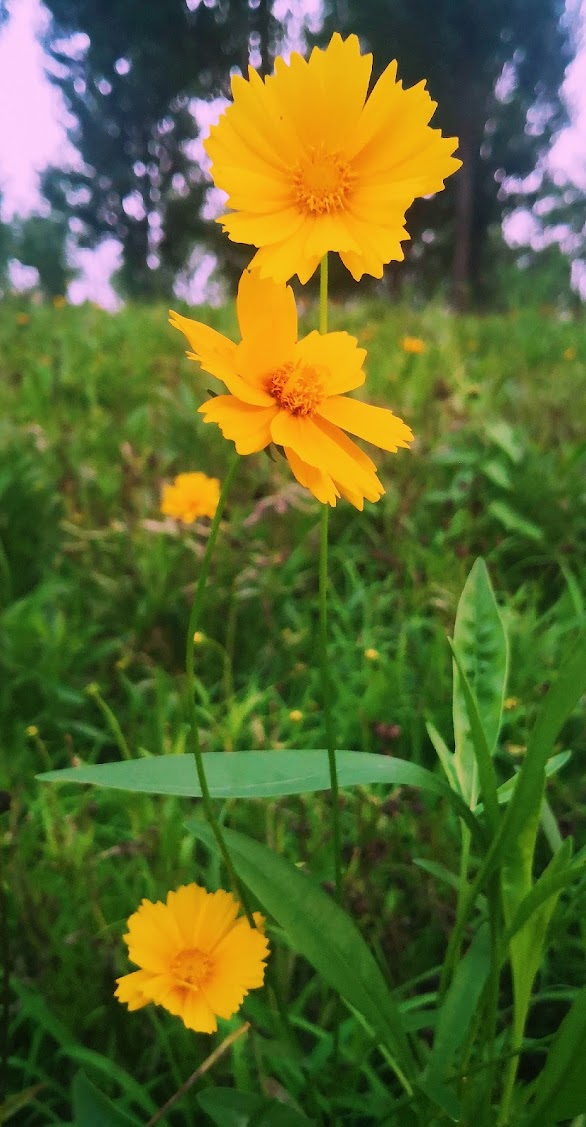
(96, 412)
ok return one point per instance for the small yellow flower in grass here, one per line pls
(291, 393)
(311, 164)
(197, 958)
(22, 318)
(413, 345)
(570, 353)
(59, 302)
(191, 495)
(296, 715)
(510, 703)
(198, 638)
(371, 654)
(32, 731)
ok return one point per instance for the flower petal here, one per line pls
(324, 450)
(337, 357)
(213, 351)
(248, 426)
(318, 482)
(266, 310)
(375, 424)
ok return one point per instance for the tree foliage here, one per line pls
(495, 70)
(129, 71)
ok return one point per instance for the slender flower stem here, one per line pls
(190, 672)
(208, 1063)
(326, 678)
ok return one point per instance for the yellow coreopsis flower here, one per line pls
(291, 392)
(414, 345)
(191, 495)
(311, 164)
(197, 958)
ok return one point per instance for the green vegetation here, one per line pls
(95, 589)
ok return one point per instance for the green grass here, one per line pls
(95, 412)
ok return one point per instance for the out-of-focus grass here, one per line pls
(95, 412)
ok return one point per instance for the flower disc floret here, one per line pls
(292, 392)
(197, 958)
(311, 162)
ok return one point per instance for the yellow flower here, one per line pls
(196, 958)
(296, 716)
(570, 353)
(59, 302)
(310, 164)
(198, 638)
(290, 392)
(510, 703)
(191, 495)
(22, 318)
(413, 344)
(371, 654)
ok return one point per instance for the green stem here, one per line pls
(326, 678)
(191, 687)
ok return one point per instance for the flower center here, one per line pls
(321, 182)
(296, 388)
(191, 967)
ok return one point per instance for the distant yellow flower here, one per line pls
(290, 392)
(296, 716)
(198, 638)
(59, 302)
(191, 495)
(371, 654)
(413, 344)
(570, 353)
(510, 703)
(310, 164)
(32, 731)
(196, 958)
(22, 318)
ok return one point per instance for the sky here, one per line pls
(33, 134)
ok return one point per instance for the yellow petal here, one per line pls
(318, 482)
(322, 450)
(338, 360)
(266, 311)
(375, 424)
(247, 426)
(213, 351)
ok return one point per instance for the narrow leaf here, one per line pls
(484, 764)
(321, 931)
(91, 1108)
(229, 1108)
(261, 774)
(560, 1092)
(459, 1005)
(481, 642)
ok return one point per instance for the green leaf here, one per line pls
(445, 756)
(484, 766)
(91, 1108)
(560, 1092)
(514, 522)
(321, 931)
(18, 1101)
(229, 1108)
(260, 774)
(557, 876)
(459, 1006)
(481, 643)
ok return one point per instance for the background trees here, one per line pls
(495, 70)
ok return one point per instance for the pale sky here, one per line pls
(32, 132)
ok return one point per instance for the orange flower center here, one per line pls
(192, 967)
(296, 388)
(321, 182)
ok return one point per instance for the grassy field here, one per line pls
(96, 411)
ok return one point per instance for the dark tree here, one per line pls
(495, 70)
(129, 71)
(40, 241)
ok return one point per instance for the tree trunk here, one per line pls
(464, 221)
